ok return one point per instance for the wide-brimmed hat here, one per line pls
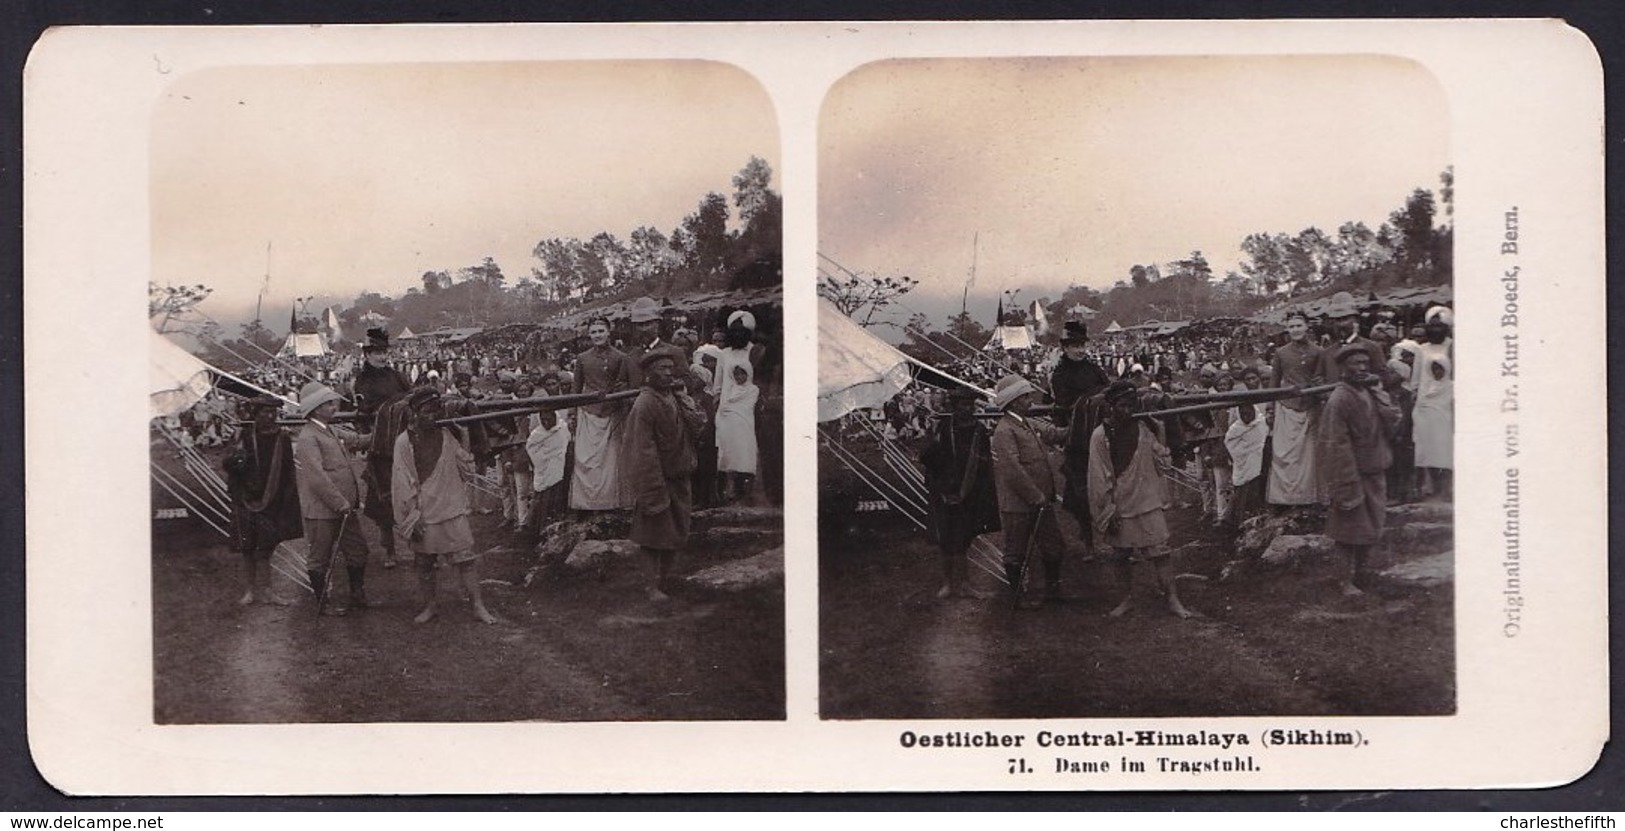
(313, 395)
(1073, 331)
(1341, 305)
(644, 310)
(1009, 388)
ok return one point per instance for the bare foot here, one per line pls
(1179, 610)
(1122, 608)
(425, 616)
(484, 615)
(247, 599)
(1351, 590)
(657, 596)
(945, 592)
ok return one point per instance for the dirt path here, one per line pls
(561, 650)
(1285, 644)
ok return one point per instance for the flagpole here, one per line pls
(964, 297)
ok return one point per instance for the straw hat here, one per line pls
(1341, 305)
(644, 310)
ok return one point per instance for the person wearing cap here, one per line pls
(260, 478)
(1128, 496)
(1024, 480)
(431, 503)
(330, 493)
(1355, 426)
(659, 460)
(958, 465)
(595, 482)
(1292, 479)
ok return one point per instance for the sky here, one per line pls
(1072, 170)
(341, 179)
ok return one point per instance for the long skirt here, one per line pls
(736, 440)
(1293, 479)
(595, 484)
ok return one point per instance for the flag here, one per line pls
(999, 321)
(293, 321)
(333, 332)
(1039, 321)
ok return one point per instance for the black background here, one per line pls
(22, 22)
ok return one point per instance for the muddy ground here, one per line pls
(1270, 641)
(566, 648)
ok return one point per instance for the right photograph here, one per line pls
(1136, 389)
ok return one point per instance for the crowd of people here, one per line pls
(666, 424)
(1374, 428)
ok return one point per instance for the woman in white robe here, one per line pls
(1433, 424)
(736, 427)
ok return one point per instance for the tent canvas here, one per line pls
(1114, 328)
(406, 334)
(177, 378)
(856, 370)
(1011, 337)
(304, 346)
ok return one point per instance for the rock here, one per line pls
(1433, 512)
(599, 554)
(732, 542)
(1419, 538)
(1290, 548)
(1431, 570)
(738, 515)
(558, 540)
(765, 571)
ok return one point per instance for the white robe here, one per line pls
(736, 419)
(595, 484)
(1433, 417)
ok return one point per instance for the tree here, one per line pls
(706, 234)
(436, 281)
(867, 293)
(1139, 276)
(751, 192)
(255, 333)
(487, 274)
(1414, 225)
(175, 307)
(1266, 260)
(1195, 266)
(1447, 193)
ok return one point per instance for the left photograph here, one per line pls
(466, 394)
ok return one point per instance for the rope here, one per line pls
(870, 478)
(189, 506)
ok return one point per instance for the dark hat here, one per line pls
(656, 354)
(423, 396)
(1348, 350)
(963, 394)
(1074, 331)
(1119, 389)
(264, 401)
(377, 339)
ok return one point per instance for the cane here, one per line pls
(1027, 556)
(332, 565)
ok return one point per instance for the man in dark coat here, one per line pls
(264, 497)
(1355, 427)
(380, 394)
(659, 461)
(959, 481)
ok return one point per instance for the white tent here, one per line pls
(856, 370)
(1011, 337)
(1114, 328)
(178, 379)
(406, 334)
(304, 346)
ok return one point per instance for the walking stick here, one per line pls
(1027, 556)
(332, 564)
